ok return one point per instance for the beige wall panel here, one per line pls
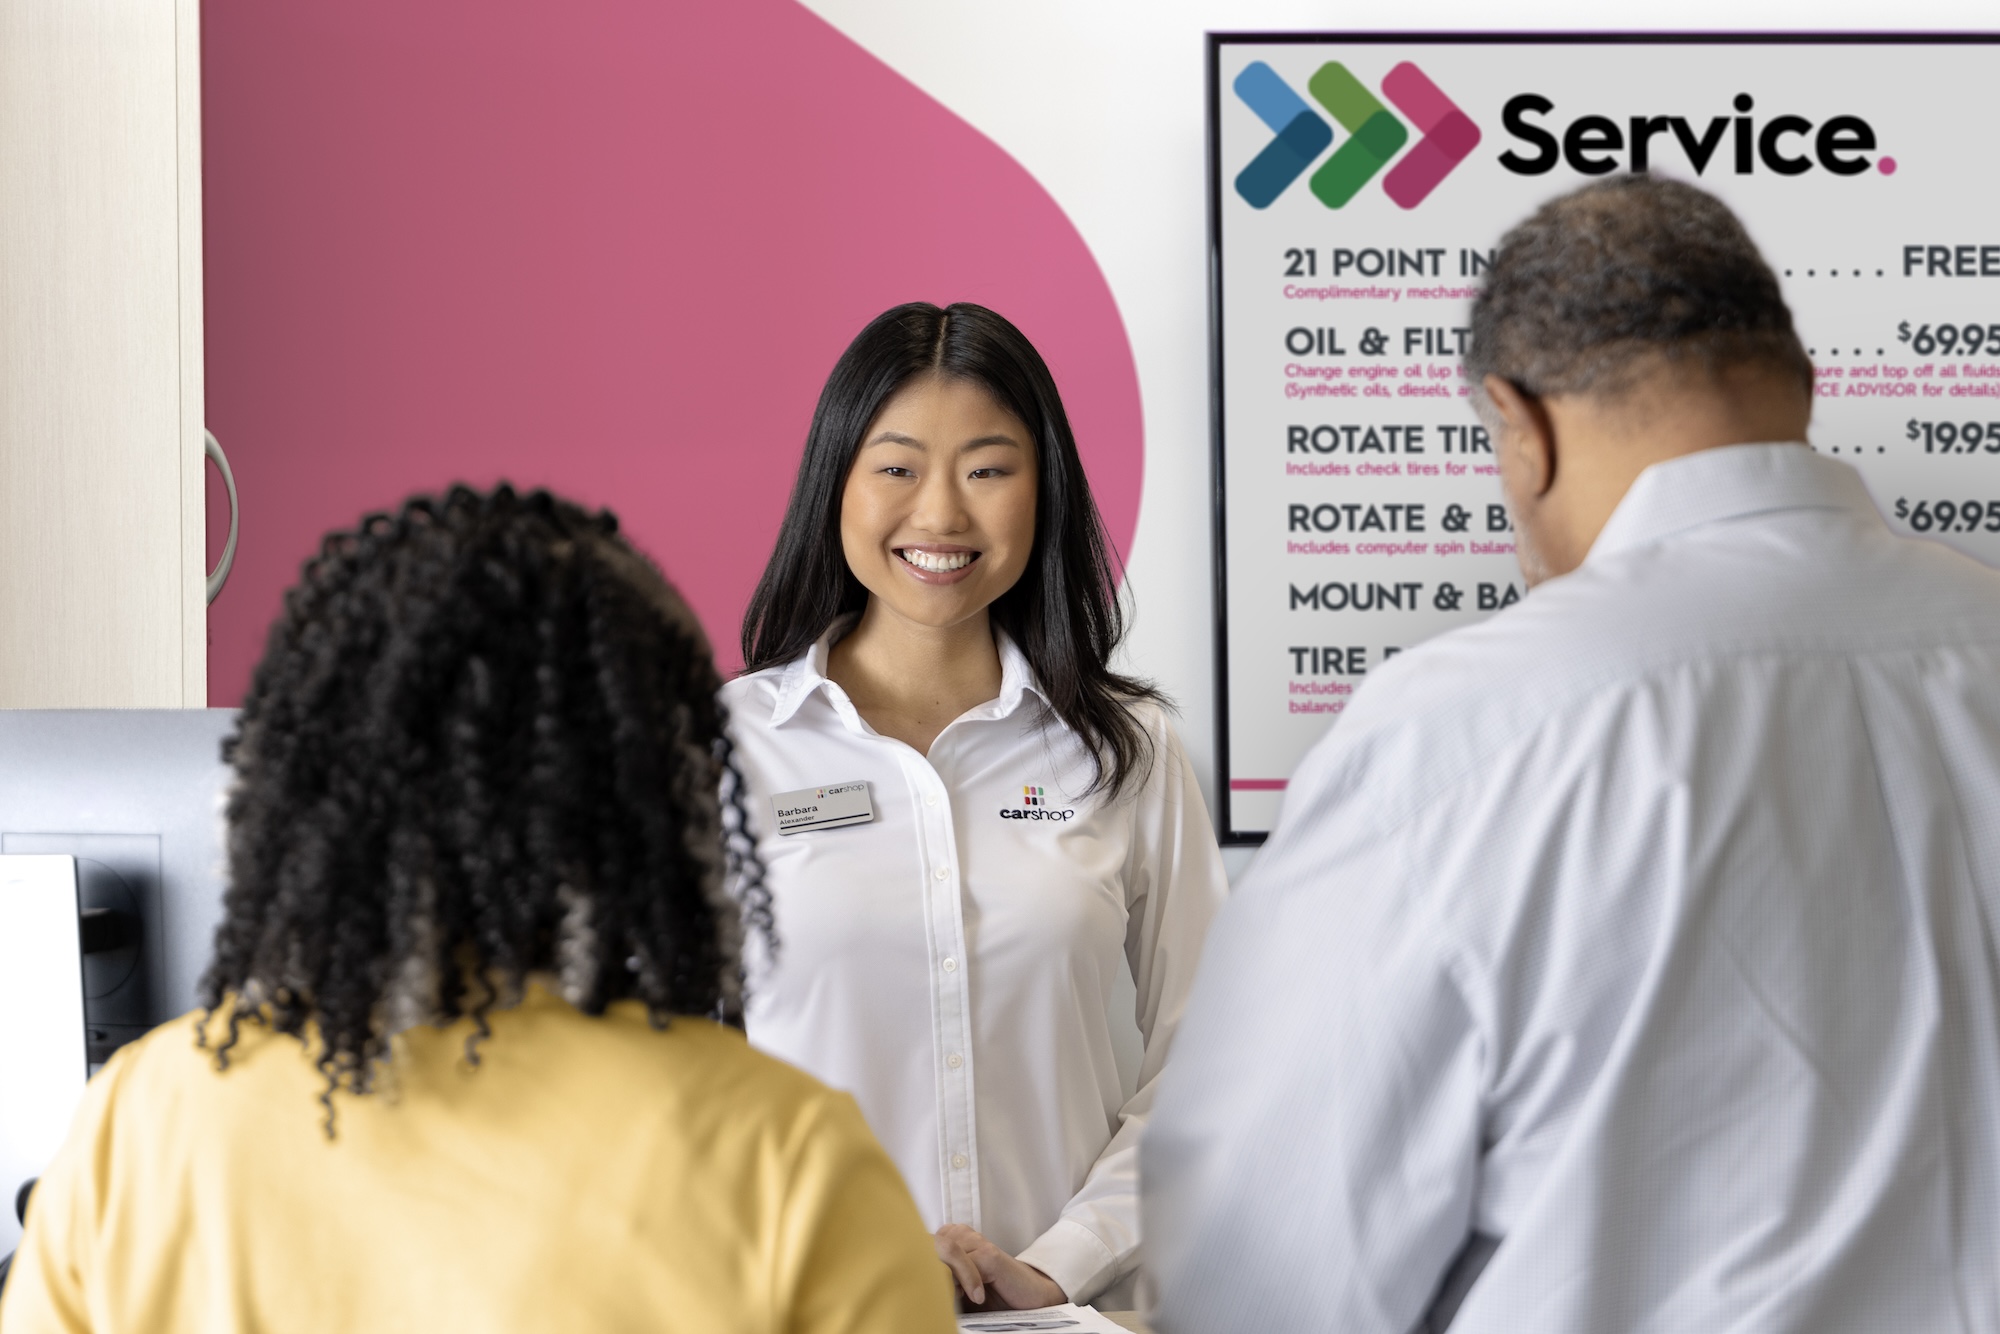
(193, 499)
(97, 405)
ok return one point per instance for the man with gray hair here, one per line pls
(1625, 961)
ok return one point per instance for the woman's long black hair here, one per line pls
(484, 741)
(1063, 612)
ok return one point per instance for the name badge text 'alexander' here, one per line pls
(827, 807)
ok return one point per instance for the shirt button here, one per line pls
(931, 799)
(958, 1160)
(954, 1060)
(951, 965)
(942, 873)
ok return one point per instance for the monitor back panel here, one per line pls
(135, 796)
(42, 1048)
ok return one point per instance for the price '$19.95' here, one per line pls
(1955, 437)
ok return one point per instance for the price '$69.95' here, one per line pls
(1965, 340)
(1949, 516)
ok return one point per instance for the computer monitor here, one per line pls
(42, 1051)
(135, 797)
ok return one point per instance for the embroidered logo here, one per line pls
(1035, 806)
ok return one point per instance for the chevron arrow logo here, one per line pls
(1449, 135)
(1374, 135)
(1302, 136)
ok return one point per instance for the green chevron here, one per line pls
(1374, 135)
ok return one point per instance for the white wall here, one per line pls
(1102, 100)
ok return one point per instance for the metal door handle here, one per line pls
(220, 574)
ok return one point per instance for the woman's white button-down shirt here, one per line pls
(952, 963)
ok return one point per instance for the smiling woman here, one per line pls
(915, 371)
(984, 825)
(937, 522)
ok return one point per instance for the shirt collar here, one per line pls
(1729, 483)
(807, 673)
(1017, 677)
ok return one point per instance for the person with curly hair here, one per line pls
(471, 1053)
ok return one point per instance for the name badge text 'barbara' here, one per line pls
(827, 807)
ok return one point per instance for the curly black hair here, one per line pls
(484, 741)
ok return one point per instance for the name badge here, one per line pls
(827, 807)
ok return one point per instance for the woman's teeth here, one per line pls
(937, 562)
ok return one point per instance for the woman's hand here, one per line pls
(991, 1279)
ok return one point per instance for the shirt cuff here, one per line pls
(1075, 1258)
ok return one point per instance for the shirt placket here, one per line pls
(951, 998)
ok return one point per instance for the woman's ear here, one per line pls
(1525, 444)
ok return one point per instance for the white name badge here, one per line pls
(827, 807)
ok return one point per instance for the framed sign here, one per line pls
(1358, 187)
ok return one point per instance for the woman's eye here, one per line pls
(894, 471)
(989, 472)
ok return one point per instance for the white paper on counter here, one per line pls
(1064, 1319)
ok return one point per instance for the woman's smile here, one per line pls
(937, 564)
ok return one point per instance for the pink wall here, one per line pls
(607, 246)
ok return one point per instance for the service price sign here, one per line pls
(1358, 187)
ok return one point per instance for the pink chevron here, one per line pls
(1449, 135)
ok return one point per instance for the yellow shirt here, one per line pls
(589, 1174)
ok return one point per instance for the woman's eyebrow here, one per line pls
(977, 442)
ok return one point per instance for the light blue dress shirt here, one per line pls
(1646, 927)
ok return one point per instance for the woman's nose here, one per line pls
(940, 506)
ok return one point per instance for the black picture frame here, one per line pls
(1226, 831)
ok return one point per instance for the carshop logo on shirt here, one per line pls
(1035, 806)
